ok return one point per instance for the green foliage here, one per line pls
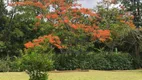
(120, 61)
(132, 43)
(109, 61)
(99, 61)
(76, 41)
(66, 61)
(15, 66)
(124, 37)
(13, 35)
(9, 64)
(134, 6)
(3, 11)
(36, 61)
(36, 65)
(111, 19)
(19, 28)
(4, 66)
(137, 63)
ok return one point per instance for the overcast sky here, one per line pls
(86, 3)
(89, 3)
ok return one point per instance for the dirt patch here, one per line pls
(62, 71)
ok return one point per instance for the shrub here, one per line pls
(15, 65)
(36, 65)
(119, 61)
(36, 61)
(84, 61)
(137, 63)
(10, 64)
(66, 61)
(111, 61)
(3, 66)
(97, 61)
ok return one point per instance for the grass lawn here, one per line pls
(69, 75)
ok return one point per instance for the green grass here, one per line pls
(91, 75)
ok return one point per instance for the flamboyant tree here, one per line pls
(124, 23)
(73, 27)
(118, 20)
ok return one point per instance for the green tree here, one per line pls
(76, 27)
(15, 30)
(116, 21)
(135, 7)
(120, 20)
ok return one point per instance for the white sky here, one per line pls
(89, 3)
(93, 3)
(85, 3)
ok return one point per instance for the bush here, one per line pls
(92, 61)
(97, 61)
(9, 64)
(84, 61)
(66, 61)
(3, 66)
(36, 65)
(119, 61)
(137, 63)
(15, 65)
(36, 61)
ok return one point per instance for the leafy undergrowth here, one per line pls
(77, 75)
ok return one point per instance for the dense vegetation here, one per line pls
(53, 34)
